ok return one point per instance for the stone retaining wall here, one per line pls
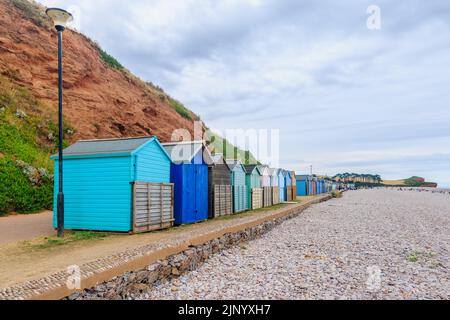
(134, 283)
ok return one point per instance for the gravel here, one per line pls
(370, 244)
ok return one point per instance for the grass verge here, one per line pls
(70, 238)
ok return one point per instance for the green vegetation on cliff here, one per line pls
(217, 144)
(27, 138)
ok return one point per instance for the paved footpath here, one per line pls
(30, 271)
(25, 227)
(368, 245)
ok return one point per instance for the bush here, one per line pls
(109, 60)
(336, 194)
(33, 11)
(25, 167)
(18, 194)
(180, 108)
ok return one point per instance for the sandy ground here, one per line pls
(371, 244)
(25, 227)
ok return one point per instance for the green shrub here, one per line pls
(109, 60)
(180, 108)
(336, 194)
(18, 194)
(25, 167)
(33, 11)
(217, 144)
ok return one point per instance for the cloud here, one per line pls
(311, 69)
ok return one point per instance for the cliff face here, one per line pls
(99, 100)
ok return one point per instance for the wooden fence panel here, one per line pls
(257, 198)
(275, 195)
(267, 197)
(152, 206)
(222, 201)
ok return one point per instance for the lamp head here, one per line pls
(60, 17)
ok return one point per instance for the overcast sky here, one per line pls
(345, 97)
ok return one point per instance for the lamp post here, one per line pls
(60, 19)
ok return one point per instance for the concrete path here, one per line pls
(25, 227)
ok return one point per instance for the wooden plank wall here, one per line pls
(152, 206)
(275, 195)
(257, 198)
(289, 190)
(218, 175)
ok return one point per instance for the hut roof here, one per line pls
(187, 150)
(115, 146)
(273, 171)
(251, 167)
(232, 164)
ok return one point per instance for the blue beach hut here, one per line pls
(189, 174)
(303, 184)
(288, 184)
(103, 178)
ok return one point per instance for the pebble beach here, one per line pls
(370, 244)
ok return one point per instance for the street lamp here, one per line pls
(60, 19)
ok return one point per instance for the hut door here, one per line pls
(201, 194)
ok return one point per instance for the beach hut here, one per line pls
(288, 183)
(117, 185)
(219, 188)
(189, 173)
(311, 186)
(282, 184)
(303, 182)
(240, 194)
(266, 185)
(314, 186)
(275, 187)
(334, 186)
(254, 190)
(294, 185)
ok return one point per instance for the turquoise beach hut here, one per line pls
(102, 178)
(254, 190)
(240, 193)
(282, 184)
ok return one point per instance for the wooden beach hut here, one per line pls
(314, 186)
(219, 188)
(117, 185)
(294, 185)
(189, 173)
(254, 190)
(240, 193)
(275, 187)
(266, 185)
